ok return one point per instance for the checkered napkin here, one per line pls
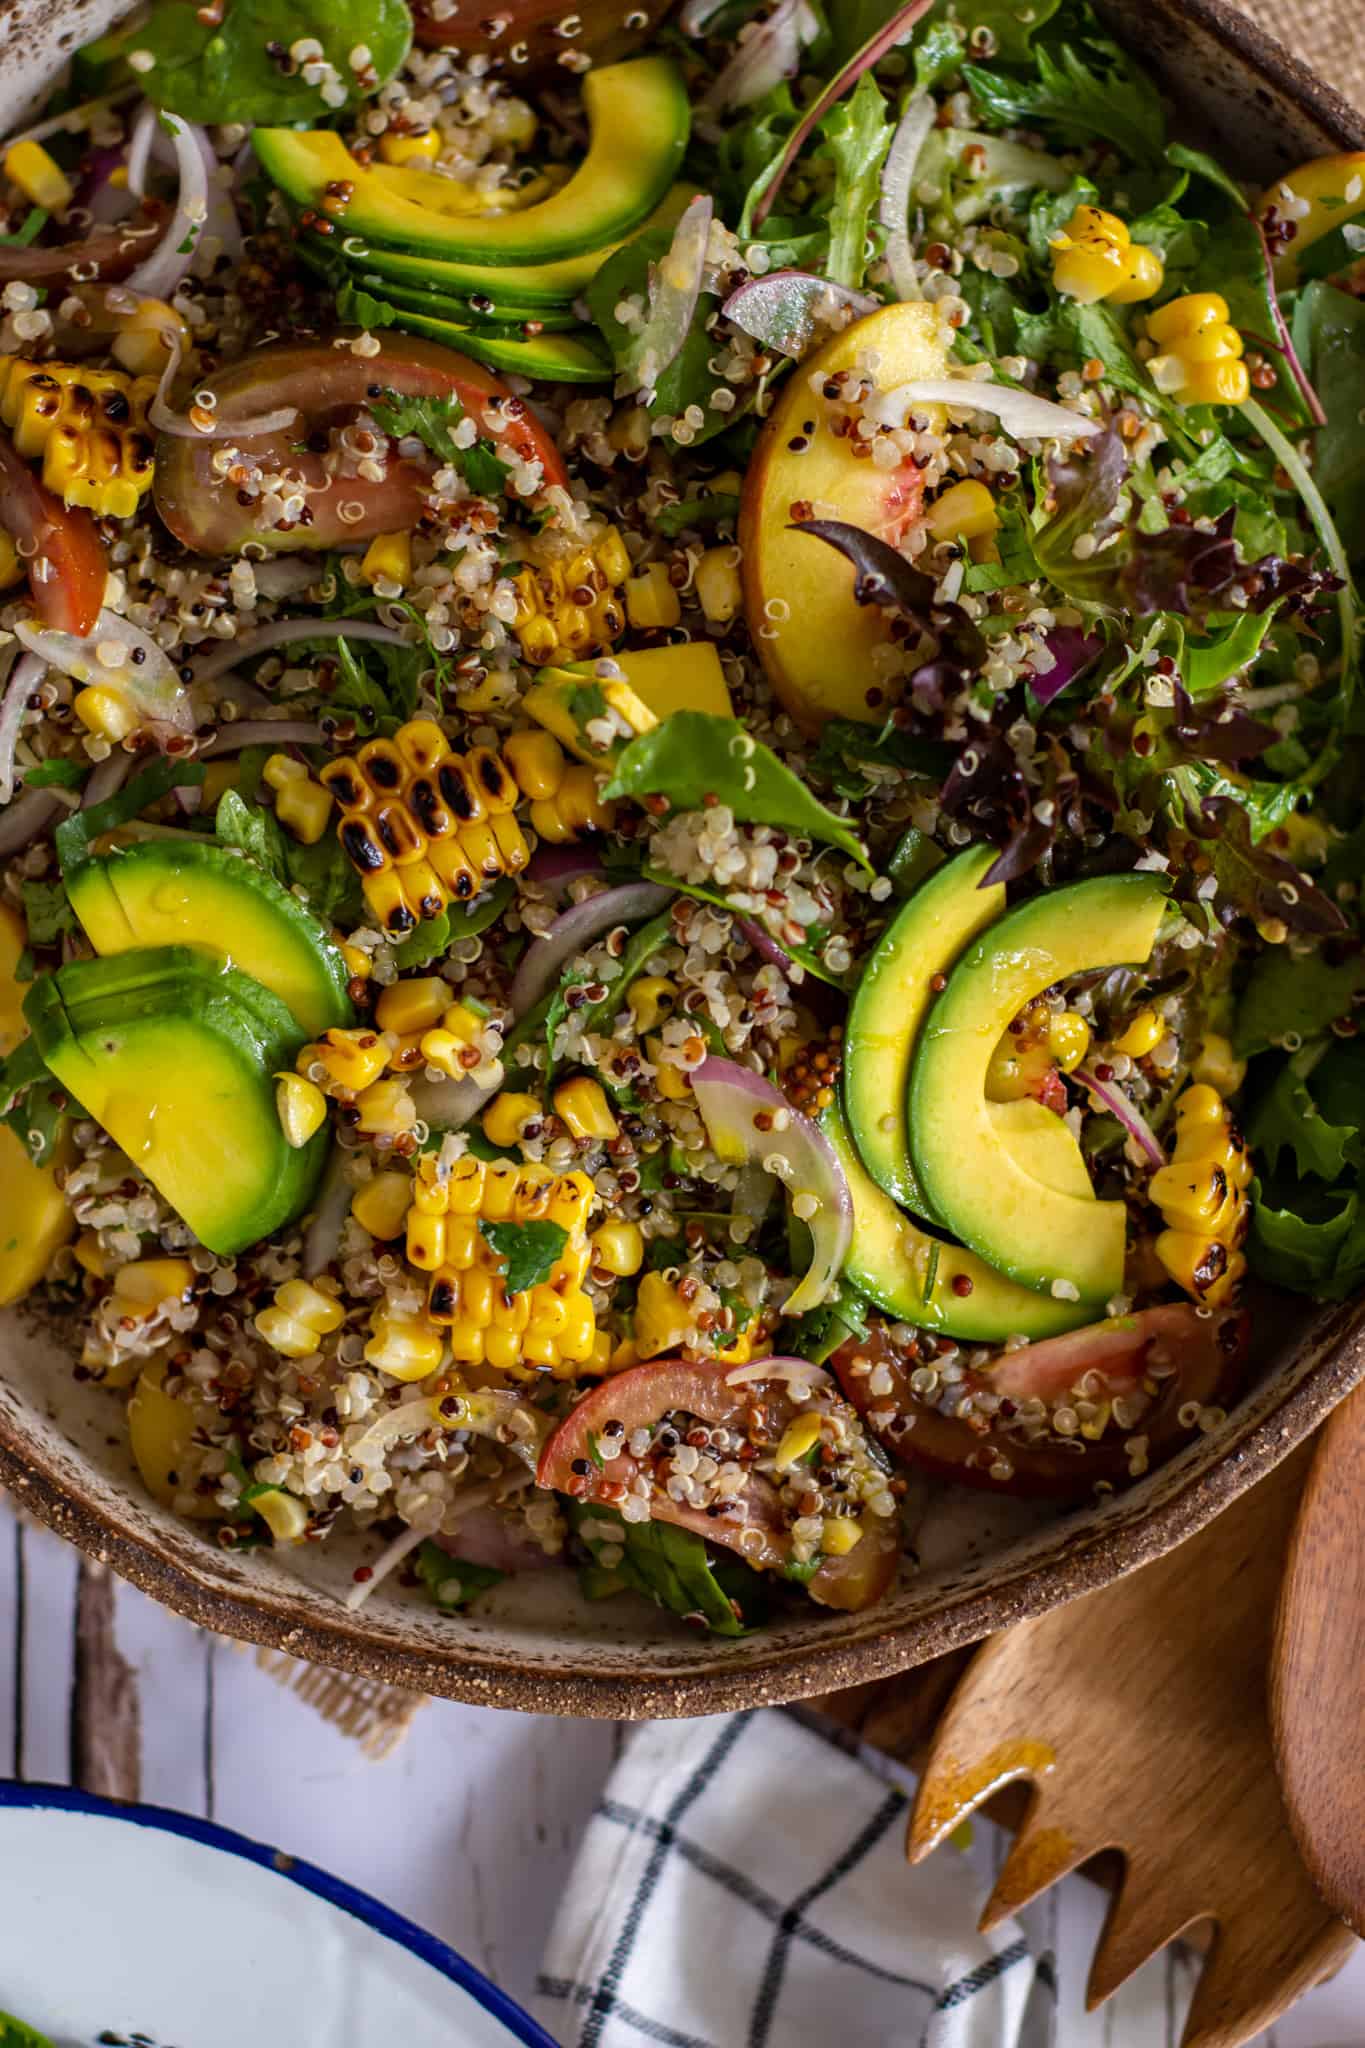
(743, 1884)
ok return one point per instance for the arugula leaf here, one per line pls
(1070, 334)
(322, 871)
(253, 831)
(1076, 100)
(1295, 995)
(435, 936)
(1202, 165)
(431, 421)
(47, 912)
(57, 775)
(596, 1019)
(74, 836)
(693, 757)
(806, 956)
(857, 134)
(219, 70)
(451, 1582)
(712, 508)
(32, 1103)
(843, 740)
(359, 689)
(529, 1251)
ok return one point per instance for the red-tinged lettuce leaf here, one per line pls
(1218, 729)
(1073, 651)
(883, 576)
(1253, 880)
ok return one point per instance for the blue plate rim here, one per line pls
(335, 1891)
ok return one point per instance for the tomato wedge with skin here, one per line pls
(60, 544)
(327, 384)
(1207, 1351)
(523, 38)
(643, 1398)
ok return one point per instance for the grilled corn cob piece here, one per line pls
(547, 1327)
(423, 826)
(1202, 1197)
(89, 427)
(569, 609)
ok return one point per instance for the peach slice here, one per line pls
(816, 643)
(1334, 187)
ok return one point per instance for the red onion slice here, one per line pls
(1021, 413)
(322, 1238)
(140, 139)
(730, 1098)
(765, 56)
(107, 778)
(26, 819)
(799, 1373)
(24, 678)
(898, 173)
(152, 682)
(554, 867)
(674, 289)
(169, 262)
(449, 1105)
(261, 732)
(767, 948)
(783, 310)
(1112, 1098)
(576, 929)
(285, 633)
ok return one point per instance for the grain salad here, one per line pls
(679, 765)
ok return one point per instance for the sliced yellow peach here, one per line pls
(1333, 186)
(815, 641)
(34, 1218)
(13, 939)
(160, 1434)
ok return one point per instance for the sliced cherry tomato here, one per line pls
(327, 384)
(524, 38)
(66, 561)
(642, 1398)
(1207, 1352)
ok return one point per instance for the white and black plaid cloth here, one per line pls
(743, 1884)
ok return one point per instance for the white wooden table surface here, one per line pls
(469, 1827)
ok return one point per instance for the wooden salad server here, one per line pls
(1317, 1679)
(1137, 1718)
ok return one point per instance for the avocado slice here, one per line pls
(490, 319)
(167, 892)
(1039, 1236)
(916, 1277)
(923, 939)
(577, 358)
(531, 289)
(638, 117)
(175, 1055)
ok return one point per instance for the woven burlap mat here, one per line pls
(1327, 34)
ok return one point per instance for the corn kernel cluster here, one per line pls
(350, 1064)
(1200, 363)
(1202, 1197)
(567, 610)
(302, 806)
(89, 427)
(298, 1319)
(549, 1326)
(1095, 258)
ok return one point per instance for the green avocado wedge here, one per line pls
(1042, 1237)
(923, 939)
(175, 1055)
(574, 358)
(168, 892)
(918, 1278)
(638, 119)
(528, 289)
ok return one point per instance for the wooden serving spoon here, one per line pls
(1317, 1673)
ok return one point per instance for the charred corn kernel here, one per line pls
(90, 1255)
(90, 428)
(651, 998)
(1095, 258)
(1142, 1035)
(405, 1347)
(619, 1248)
(582, 1105)
(569, 607)
(107, 713)
(380, 1204)
(965, 511)
(1218, 1065)
(1068, 1039)
(302, 806)
(537, 761)
(576, 807)
(11, 568)
(1201, 363)
(284, 1515)
(796, 1442)
(161, 1437)
(350, 1059)
(1202, 1196)
(386, 899)
(443, 1049)
(386, 1109)
(417, 1005)
(143, 1284)
(389, 556)
(670, 1080)
(505, 1115)
(298, 1319)
(716, 583)
(548, 1325)
(39, 176)
(411, 149)
(301, 1108)
(651, 601)
(839, 1535)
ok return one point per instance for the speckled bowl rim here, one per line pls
(1081, 1556)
